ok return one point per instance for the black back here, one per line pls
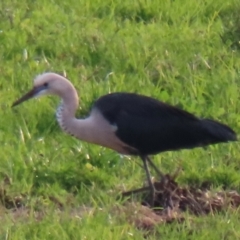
(152, 126)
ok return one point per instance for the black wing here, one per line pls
(152, 126)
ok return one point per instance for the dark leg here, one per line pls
(151, 186)
(155, 168)
(139, 190)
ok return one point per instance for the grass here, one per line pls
(183, 52)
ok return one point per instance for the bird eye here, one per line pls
(45, 84)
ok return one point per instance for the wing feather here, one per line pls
(152, 126)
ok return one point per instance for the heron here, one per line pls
(129, 123)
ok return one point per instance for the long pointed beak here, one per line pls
(25, 97)
(34, 92)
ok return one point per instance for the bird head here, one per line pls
(46, 84)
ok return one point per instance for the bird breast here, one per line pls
(99, 131)
(94, 129)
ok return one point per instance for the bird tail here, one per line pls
(218, 132)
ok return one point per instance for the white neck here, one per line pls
(68, 122)
(80, 128)
(66, 114)
(94, 129)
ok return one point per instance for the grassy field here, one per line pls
(183, 52)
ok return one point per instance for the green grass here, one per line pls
(186, 53)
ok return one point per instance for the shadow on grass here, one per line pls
(170, 204)
(231, 23)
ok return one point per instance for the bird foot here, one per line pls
(159, 187)
(151, 196)
(135, 191)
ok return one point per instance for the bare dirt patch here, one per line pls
(172, 201)
(170, 204)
